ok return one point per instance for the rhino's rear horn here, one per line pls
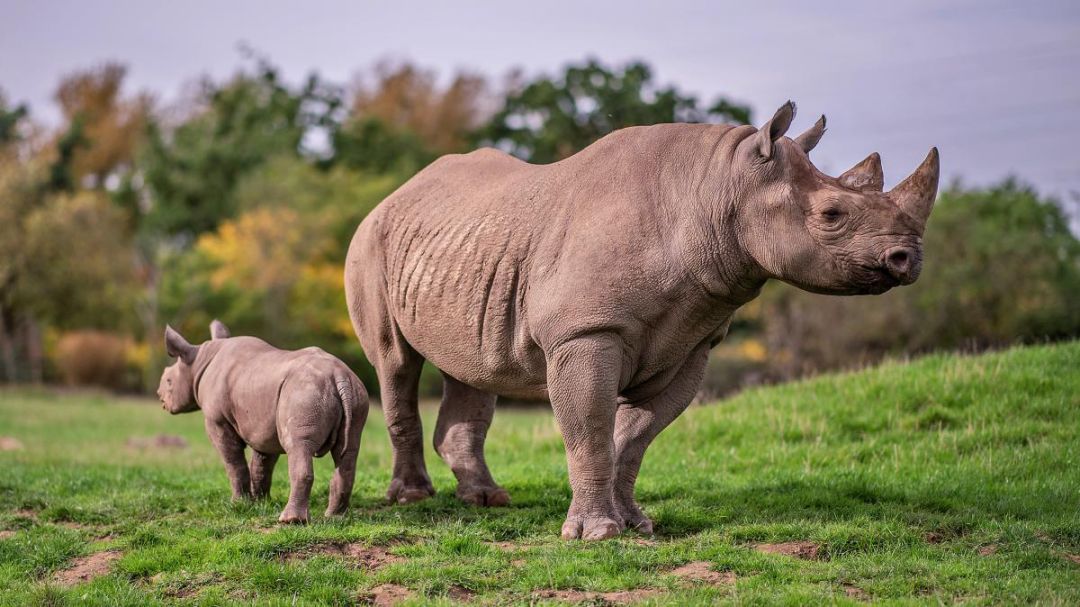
(866, 176)
(810, 138)
(916, 194)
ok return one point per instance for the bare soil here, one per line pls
(803, 550)
(702, 571)
(86, 568)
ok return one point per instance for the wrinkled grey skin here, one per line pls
(601, 282)
(305, 403)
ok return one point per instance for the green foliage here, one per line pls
(999, 265)
(192, 170)
(370, 144)
(951, 479)
(10, 120)
(548, 120)
(77, 270)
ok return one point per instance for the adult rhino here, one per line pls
(601, 282)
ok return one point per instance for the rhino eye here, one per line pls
(832, 214)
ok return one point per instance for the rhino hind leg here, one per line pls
(464, 418)
(638, 424)
(301, 476)
(399, 378)
(262, 472)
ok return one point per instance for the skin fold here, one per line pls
(600, 282)
(305, 403)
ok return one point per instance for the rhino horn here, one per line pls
(916, 194)
(810, 138)
(865, 176)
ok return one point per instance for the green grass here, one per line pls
(900, 473)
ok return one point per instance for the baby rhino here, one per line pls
(305, 403)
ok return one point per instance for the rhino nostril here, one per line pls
(898, 261)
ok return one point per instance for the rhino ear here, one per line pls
(178, 347)
(774, 129)
(218, 330)
(809, 139)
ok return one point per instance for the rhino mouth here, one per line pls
(878, 279)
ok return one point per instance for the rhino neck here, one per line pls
(707, 236)
(207, 353)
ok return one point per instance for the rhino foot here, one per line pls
(484, 496)
(590, 528)
(294, 516)
(635, 518)
(401, 493)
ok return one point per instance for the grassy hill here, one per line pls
(947, 479)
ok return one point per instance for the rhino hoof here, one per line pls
(590, 529)
(484, 496)
(401, 493)
(292, 517)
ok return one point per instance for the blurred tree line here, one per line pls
(239, 202)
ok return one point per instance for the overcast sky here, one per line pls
(994, 84)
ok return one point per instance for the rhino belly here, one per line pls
(458, 297)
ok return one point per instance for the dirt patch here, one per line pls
(518, 562)
(507, 546)
(86, 568)
(802, 550)
(934, 537)
(702, 571)
(26, 513)
(386, 595)
(161, 441)
(460, 594)
(640, 541)
(365, 557)
(6, 534)
(10, 443)
(988, 549)
(619, 597)
(1072, 557)
(856, 593)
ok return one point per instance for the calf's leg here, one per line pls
(464, 418)
(301, 475)
(262, 471)
(637, 424)
(231, 447)
(583, 383)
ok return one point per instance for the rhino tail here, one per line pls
(350, 397)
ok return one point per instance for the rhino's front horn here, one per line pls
(916, 194)
(865, 176)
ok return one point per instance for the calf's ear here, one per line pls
(774, 129)
(178, 347)
(218, 330)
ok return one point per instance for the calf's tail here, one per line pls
(351, 394)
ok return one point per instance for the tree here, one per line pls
(550, 119)
(192, 170)
(406, 120)
(102, 129)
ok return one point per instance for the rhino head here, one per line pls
(835, 235)
(176, 390)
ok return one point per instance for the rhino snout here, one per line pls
(903, 264)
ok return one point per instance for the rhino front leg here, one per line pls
(583, 381)
(231, 447)
(637, 424)
(301, 476)
(464, 418)
(262, 472)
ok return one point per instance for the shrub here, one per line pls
(96, 358)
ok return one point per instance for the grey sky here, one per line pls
(995, 85)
